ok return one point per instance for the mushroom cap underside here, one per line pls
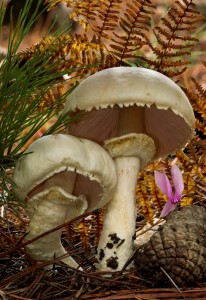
(57, 156)
(167, 114)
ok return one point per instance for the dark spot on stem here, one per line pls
(114, 238)
(101, 254)
(109, 245)
(112, 262)
(121, 242)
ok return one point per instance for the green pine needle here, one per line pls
(21, 81)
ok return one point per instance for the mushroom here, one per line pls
(138, 115)
(61, 177)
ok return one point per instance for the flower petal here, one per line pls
(168, 208)
(178, 182)
(163, 184)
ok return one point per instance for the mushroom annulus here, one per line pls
(138, 115)
(61, 177)
(163, 183)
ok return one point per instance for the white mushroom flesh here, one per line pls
(166, 113)
(116, 243)
(119, 103)
(61, 177)
(51, 212)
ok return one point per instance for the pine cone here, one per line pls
(178, 247)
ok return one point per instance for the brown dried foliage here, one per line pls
(174, 37)
(122, 30)
(21, 278)
(118, 33)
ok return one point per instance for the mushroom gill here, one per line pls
(72, 183)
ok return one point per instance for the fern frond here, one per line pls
(83, 52)
(144, 202)
(107, 17)
(121, 29)
(201, 126)
(83, 12)
(149, 198)
(201, 91)
(174, 38)
(56, 49)
(189, 189)
(198, 101)
(193, 159)
(135, 25)
(84, 230)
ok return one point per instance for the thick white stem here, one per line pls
(52, 211)
(116, 242)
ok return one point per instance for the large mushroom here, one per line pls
(61, 177)
(138, 115)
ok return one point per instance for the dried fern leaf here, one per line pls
(123, 28)
(55, 47)
(150, 199)
(135, 24)
(199, 99)
(192, 166)
(143, 201)
(83, 53)
(193, 163)
(189, 190)
(201, 126)
(174, 38)
(200, 89)
(107, 17)
(83, 12)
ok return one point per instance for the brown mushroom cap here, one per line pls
(142, 100)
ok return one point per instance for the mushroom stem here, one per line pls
(116, 242)
(50, 213)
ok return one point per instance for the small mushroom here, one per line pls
(61, 177)
(138, 115)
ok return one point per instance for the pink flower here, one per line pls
(164, 185)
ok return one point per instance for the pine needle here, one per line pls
(27, 101)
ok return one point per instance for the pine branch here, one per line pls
(31, 94)
(2, 14)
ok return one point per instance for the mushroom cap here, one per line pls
(53, 154)
(168, 116)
